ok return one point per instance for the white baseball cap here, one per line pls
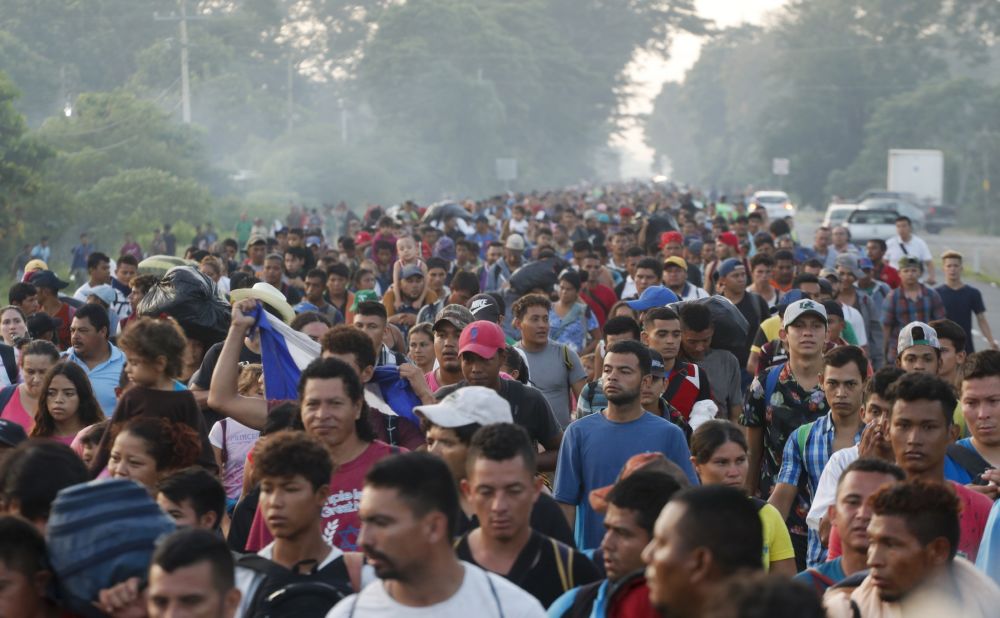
(467, 405)
(917, 333)
(801, 307)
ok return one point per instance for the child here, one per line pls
(66, 405)
(231, 441)
(88, 439)
(408, 256)
(154, 350)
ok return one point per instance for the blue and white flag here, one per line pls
(284, 353)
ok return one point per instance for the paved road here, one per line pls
(982, 255)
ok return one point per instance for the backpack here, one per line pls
(968, 459)
(290, 592)
(100, 534)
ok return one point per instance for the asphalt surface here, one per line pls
(982, 264)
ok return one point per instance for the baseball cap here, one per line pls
(39, 323)
(467, 405)
(256, 239)
(667, 237)
(47, 279)
(833, 308)
(695, 246)
(484, 307)
(917, 333)
(653, 296)
(11, 434)
(829, 274)
(865, 263)
(729, 238)
(456, 315)
(643, 461)
(674, 260)
(658, 368)
(363, 296)
(800, 308)
(482, 338)
(105, 292)
(603, 218)
(413, 270)
(35, 264)
(590, 214)
(362, 238)
(515, 242)
(852, 263)
(908, 261)
(729, 265)
(625, 212)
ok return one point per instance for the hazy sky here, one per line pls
(649, 73)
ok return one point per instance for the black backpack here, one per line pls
(291, 592)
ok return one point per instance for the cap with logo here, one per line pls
(657, 368)
(653, 296)
(456, 315)
(467, 405)
(799, 308)
(482, 338)
(484, 307)
(917, 333)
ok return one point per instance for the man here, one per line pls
(126, 269)
(961, 301)
(761, 267)
(672, 245)
(450, 425)
(763, 244)
(483, 235)
(502, 488)
(256, 249)
(192, 574)
(842, 242)
(809, 448)
(315, 281)
(98, 357)
(24, 571)
(784, 271)
(494, 253)
(295, 471)
(979, 455)
(464, 285)
(193, 497)
(627, 289)
(592, 399)
(648, 272)
(727, 245)
(338, 276)
(599, 297)
(911, 301)
(273, 274)
(850, 515)
(847, 294)
(80, 253)
(732, 284)
(686, 384)
(634, 503)
(821, 247)
(786, 396)
(555, 368)
(411, 290)
(720, 366)
(703, 536)
(881, 271)
(951, 350)
(913, 568)
(513, 256)
(675, 277)
(24, 296)
(99, 273)
(920, 429)
(408, 507)
(905, 244)
(482, 350)
(447, 329)
(596, 447)
(918, 349)
(373, 320)
(42, 250)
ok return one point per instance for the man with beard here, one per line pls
(408, 509)
(597, 446)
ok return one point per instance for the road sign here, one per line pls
(506, 169)
(779, 167)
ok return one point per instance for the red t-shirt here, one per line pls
(971, 523)
(341, 522)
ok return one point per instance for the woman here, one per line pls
(19, 403)
(719, 455)
(68, 405)
(149, 448)
(622, 308)
(420, 347)
(13, 324)
(571, 321)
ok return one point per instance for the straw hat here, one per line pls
(268, 294)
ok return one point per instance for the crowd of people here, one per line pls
(624, 401)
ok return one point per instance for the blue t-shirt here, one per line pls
(593, 452)
(832, 571)
(959, 305)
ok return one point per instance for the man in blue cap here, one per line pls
(653, 296)
(732, 283)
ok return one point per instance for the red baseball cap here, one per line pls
(482, 338)
(671, 237)
(625, 212)
(729, 238)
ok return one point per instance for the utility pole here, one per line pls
(182, 20)
(291, 91)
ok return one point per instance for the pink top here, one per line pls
(14, 411)
(67, 440)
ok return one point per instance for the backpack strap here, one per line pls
(583, 602)
(820, 582)
(6, 395)
(493, 591)
(564, 565)
(970, 461)
(771, 382)
(801, 437)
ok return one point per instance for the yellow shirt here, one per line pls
(770, 326)
(777, 542)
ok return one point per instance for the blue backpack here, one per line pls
(100, 534)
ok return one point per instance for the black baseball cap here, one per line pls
(11, 434)
(47, 279)
(484, 307)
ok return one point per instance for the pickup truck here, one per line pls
(936, 218)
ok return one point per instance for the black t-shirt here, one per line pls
(755, 310)
(527, 405)
(546, 517)
(541, 567)
(203, 379)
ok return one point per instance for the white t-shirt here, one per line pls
(826, 490)
(915, 247)
(482, 594)
(240, 439)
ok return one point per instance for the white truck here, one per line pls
(920, 172)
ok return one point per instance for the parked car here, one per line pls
(776, 204)
(836, 214)
(939, 217)
(901, 207)
(866, 224)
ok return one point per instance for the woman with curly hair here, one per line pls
(146, 449)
